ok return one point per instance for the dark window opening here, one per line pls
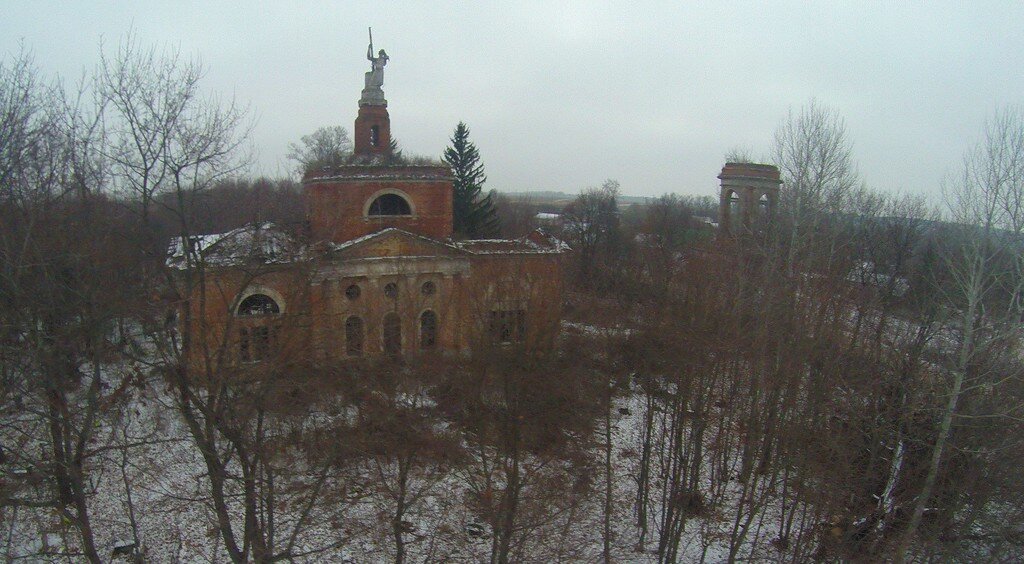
(255, 344)
(428, 330)
(244, 352)
(374, 135)
(428, 289)
(390, 204)
(258, 304)
(354, 336)
(353, 291)
(392, 334)
(391, 290)
(508, 326)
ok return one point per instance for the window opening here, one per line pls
(391, 290)
(392, 334)
(258, 304)
(353, 291)
(374, 135)
(255, 344)
(428, 330)
(243, 346)
(508, 326)
(390, 204)
(734, 203)
(354, 335)
(428, 289)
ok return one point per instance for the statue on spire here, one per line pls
(372, 92)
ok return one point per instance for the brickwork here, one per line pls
(337, 201)
(463, 291)
(410, 287)
(748, 196)
(372, 133)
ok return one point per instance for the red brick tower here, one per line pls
(373, 127)
(372, 130)
(375, 190)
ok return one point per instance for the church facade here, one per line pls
(377, 270)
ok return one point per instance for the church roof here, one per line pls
(258, 242)
(377, 171)
(538, 242)
(265, 243)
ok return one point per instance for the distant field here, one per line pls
(547, 196)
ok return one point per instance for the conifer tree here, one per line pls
(474, 212)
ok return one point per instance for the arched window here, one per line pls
(258, 304)
(392, 334)
(354, 336)
(734, 204)
(374, 136)
(428, 330)
(390, 204)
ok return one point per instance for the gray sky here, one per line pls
(560, 96)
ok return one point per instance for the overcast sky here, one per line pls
(560, 96)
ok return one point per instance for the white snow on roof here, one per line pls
(266, 243)
(262, 242)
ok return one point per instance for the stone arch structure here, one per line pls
(749, 195)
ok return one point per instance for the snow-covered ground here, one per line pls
(168, 484)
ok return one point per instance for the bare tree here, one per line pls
(813, 154)
(984, 290)
(66, 298)
(169, 146)
(327, 146)
(592, 226)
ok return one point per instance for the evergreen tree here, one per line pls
(474, 212)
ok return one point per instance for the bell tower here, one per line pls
(372, 191)
(372, 131)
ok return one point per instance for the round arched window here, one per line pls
(390, 204)
(353, 292)
(391, 290)
(428, 288)
(258, 304)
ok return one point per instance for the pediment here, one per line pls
(394, 242)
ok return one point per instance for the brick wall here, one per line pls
(336, 201)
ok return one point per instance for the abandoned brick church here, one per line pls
(377, 270)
